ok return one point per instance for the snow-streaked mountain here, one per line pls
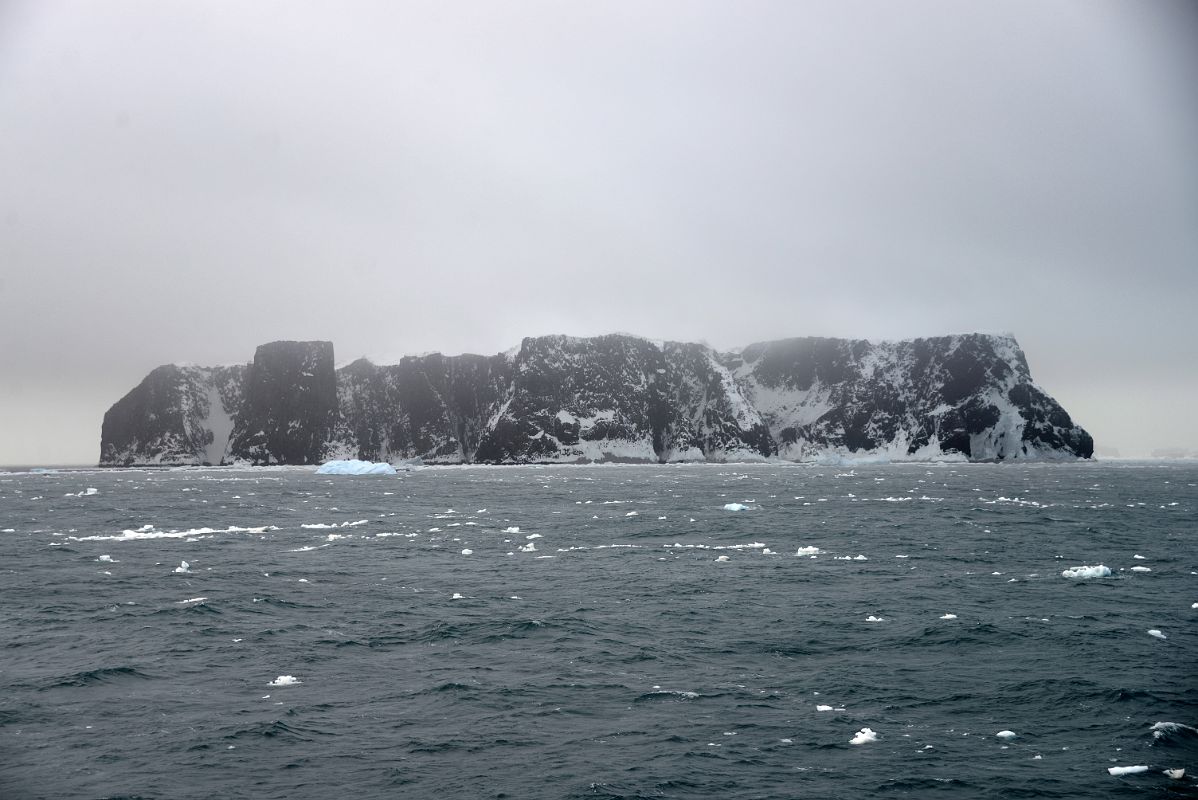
(561, 399)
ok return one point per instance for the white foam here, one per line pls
(1127, 770)
(948, 616)
(864, 735)
(183, 567)
(1008, 735)
(1157, 634)
(285, 680)
(316, 526)
(735, 507)
(1098, 571)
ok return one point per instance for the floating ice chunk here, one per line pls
(1008, 735)
(355, 467)
(1127, 770)
(1098, 571)
(721, 558)
(872, 618)
(768, 552)
(1157, 634)
(183, 567)
(1138, 557)
(785, 741)
(88, 492)
(457, 596)
(513, 529)
(860, 557)
(948, 616)
(531, 547)
(1175, 774)
(285, 680)
(823, 708)
(735, 507)
(532, 536)
(808, 551)
(467, 552)
(631, 514)
(864, 735)
(107, 559)
(1193, 605)
(1141, 569)
(190, 600)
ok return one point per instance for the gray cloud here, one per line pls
(184, 182)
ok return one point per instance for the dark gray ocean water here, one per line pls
(653, 644)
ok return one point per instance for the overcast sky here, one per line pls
(185, 181)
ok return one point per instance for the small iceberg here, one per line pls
(183, 567)
(1127, 770)
(285, 680)
(1098, 571)
(1175, 774)
(808, 551)
(864, 735)
(1008, 735)
(735, 507)
(355, 467)
(1157, 634)
(948, 616)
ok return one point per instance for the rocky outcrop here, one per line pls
(617, 397)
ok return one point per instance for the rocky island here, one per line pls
(561, 399)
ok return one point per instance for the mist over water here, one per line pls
(610, 632)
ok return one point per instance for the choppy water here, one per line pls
(622, 657)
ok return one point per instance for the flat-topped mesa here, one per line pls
(561, 399)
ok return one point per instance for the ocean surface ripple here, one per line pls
(722, 631)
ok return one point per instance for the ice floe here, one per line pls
(1157, 634)
(467, 552)
(823, 708)
(808, 551)
(721, 558)
(183, 567)
(948, 616)
(864, 735)
(1127, 770)
(1008, 735)
(735, 507)
(1098, 571)
(354, 467)
(872, 618)
(513, 529)
(1175, 774)
(285, 680)
(88, 492)
(1141, 569)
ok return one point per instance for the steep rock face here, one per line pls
(176, 415)
(617, 397)
(431, 407)
(289, 405)
(969, 394)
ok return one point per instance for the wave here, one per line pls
(94, 677)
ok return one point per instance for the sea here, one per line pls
(608, 631)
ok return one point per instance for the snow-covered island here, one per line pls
(561, 399)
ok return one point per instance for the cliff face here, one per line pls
(617, 397)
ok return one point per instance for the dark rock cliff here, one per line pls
(616, 397)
